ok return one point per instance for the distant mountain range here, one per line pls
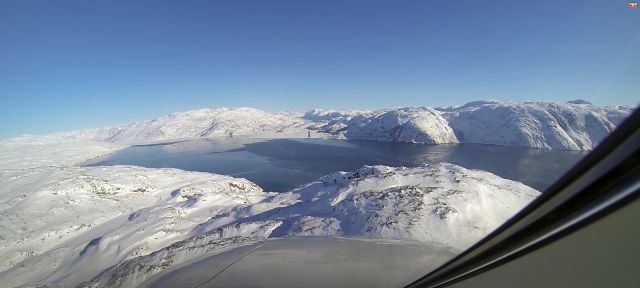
(575, 125)
(546, 125)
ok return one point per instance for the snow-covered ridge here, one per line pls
(576, 125)
(86, 219)
(333, 115)
(547, 125)
(412, 125)
(185, 125)
(206, 123)
(442, 203)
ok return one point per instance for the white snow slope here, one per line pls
(50, 150)
(546, 125)
(413, 125)
(442, 203)
(207, 123)
(192, 124)
(66, 225)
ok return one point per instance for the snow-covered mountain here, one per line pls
(332, 121)
(441, 203)
(547, 125)
(322, 115)
(207, 123)
(190, 124)
(67, 225)
(412, 125)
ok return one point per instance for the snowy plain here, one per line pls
(66, 225)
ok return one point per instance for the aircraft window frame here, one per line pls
(602, 182)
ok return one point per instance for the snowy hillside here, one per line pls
(547, 125)
(190, 124)
(412, 125)
(86, 219)
(50, 150)
(120, 225)
(332, 121)
(442, 203)
(83, 220)
(207, 123)
(328, 116)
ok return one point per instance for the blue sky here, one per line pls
(68, 65)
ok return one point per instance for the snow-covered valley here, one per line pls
(66, 225)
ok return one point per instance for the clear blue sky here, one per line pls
(68, 65)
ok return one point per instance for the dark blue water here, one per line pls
(283, 164)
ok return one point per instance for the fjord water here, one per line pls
(283, 164)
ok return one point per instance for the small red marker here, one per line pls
(633, 5)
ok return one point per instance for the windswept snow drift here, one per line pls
(67, 225)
